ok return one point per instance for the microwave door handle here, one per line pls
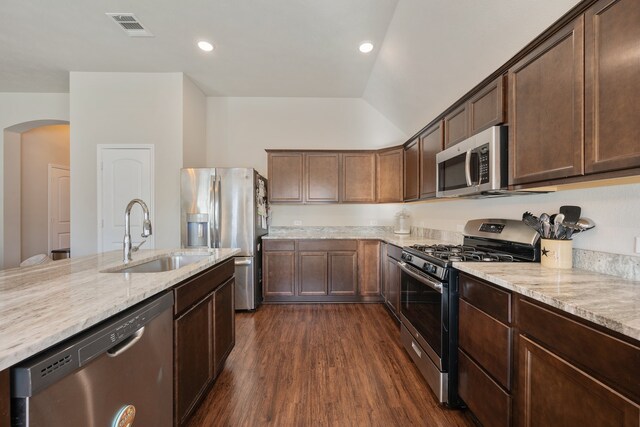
(467, 168)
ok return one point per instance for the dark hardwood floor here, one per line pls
(321, 365)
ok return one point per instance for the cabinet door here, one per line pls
(430, 145)
(389, 176)
(411, 164)
(279, 273)
(487, 107)
(322, 172)
(193, 360)
(456, 128)
(285, 177)
(393, 285)
(547, 109)
(313, 273)
(369, 267)
(343, 268)
(224, 331)
(612, 86)
(552, 391)
(5, 398)
(359, 177)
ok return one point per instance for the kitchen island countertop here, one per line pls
(45, 304)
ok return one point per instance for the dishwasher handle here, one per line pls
(125, 345)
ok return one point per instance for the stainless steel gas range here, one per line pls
(429, 294)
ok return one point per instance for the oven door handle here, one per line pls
(422, 279)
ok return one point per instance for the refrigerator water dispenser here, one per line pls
(197, 230)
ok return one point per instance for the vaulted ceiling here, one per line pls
(427, 52)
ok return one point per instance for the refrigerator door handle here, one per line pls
(217, 210)
(212, 210)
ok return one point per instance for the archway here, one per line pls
(12, 249)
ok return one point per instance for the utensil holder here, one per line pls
(556, 253)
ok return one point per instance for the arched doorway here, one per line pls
(28, 151)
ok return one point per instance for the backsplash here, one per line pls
(625, 266)
(444, 235)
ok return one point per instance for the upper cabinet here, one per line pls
(389, 174)
(359, 177)
(612, 85)
(547, 109)
(285, 177)
(483, 109)
(322, 177)
(411, 168)
(430, 145)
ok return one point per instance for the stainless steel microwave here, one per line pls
(476, 166)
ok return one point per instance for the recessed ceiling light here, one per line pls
(206, 46)
(366, 47)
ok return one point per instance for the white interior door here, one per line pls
(59, 207)
(125, 173)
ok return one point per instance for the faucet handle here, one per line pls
(135, 248)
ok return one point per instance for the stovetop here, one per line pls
(460, 253)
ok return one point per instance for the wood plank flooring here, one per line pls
(321, 365)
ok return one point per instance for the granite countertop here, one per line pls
(394, 239)
(608, 301)
(43, 305)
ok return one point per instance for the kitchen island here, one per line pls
(43, 305)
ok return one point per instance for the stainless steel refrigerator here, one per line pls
(227, 208)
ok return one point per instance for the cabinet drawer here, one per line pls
(607, 358)
(476, 330)
(327, 245)
(489, 403)
(491, 300)
(196, 288)
(278, 245)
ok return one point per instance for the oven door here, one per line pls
(424, 307)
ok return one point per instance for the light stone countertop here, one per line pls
(609, 301)
(606, 300)
(45, 304)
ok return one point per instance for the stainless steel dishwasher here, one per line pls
(118, 373)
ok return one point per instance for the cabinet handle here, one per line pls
(415, 348)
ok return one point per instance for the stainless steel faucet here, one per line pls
(146, 228)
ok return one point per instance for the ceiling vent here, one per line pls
(130, 24)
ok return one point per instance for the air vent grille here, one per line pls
(55, 366)
(130, 24)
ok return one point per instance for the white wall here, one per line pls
(240, 129)
(12, 195)
(39, 147)
(194, 116)
(433, 52)
(125, 108)
(615, 210)
(17, 108)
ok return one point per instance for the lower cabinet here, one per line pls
(204, 335)
(324, 270)
(391, 278)
(484, 371)
(5, 398)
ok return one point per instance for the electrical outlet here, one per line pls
(373, 222)
(638, 245)
(297, 222)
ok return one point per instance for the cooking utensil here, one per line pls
(558, 228)
(532, 221)
(571, 213)
(545, 219)
(585, 224)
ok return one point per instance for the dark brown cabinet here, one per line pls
(285, 177)
(485, 371)
(5, 399)
(612, 86)
(391, 278)
(279, 268)
(324, 270)
(389, 173)
(430, 145)
(547, 109)
(204, 335)
(358, 178)
(411, 170)
(483, 109)
(369, 267)
(571, 373)
(322, 177)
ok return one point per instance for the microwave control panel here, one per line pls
(483, 161)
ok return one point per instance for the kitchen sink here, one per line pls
(159, 265)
